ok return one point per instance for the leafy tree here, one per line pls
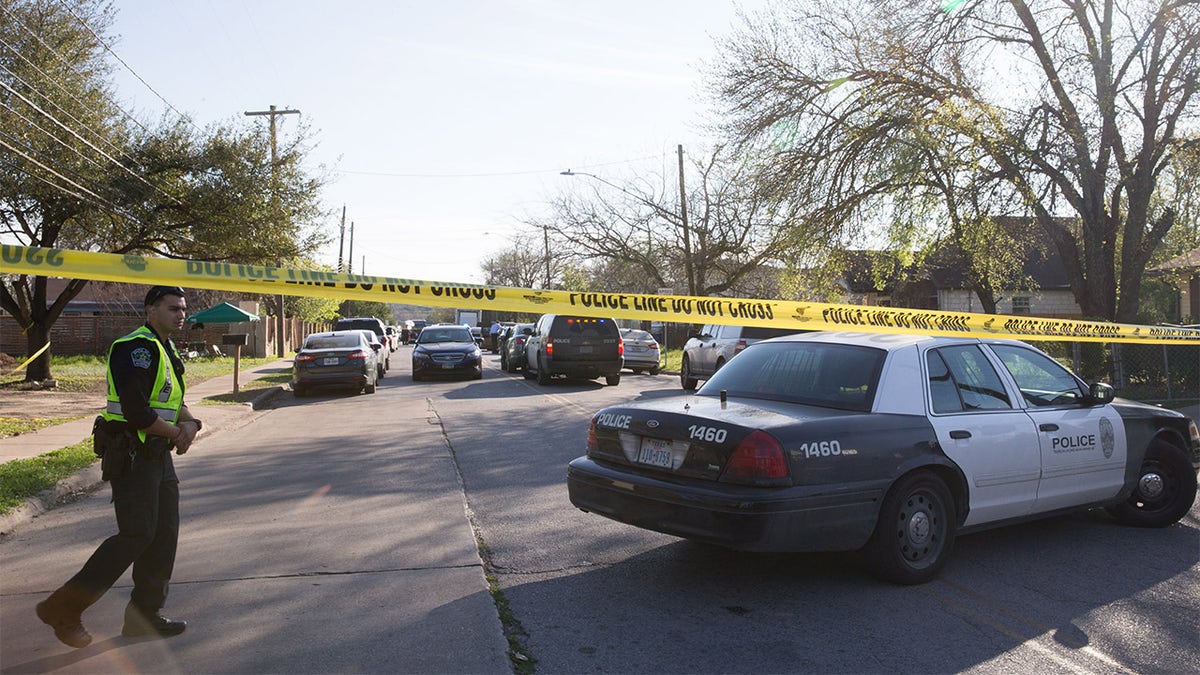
(79, 173)
(1063, 111)
(353, 308)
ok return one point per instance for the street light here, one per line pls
(661, 211)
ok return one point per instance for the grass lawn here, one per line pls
(24, 478)
(88, 373)
(15, 426)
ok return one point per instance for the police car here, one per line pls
(892, 444)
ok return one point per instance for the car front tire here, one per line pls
(1165, 490)
(915, 532)
(685, 376)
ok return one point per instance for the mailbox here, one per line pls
(235, 339)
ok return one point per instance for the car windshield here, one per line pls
(444, 335)
(812, 373)
(332, 342)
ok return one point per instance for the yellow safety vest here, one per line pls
(166, 396)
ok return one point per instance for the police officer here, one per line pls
(144, 418)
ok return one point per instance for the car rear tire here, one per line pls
(543, 377)
(1165, 490)
(612, 380)
(654, 371)
(300, 391)
(915, 532)
(636, 371)
(685, 376)
(504, 363)
(369, 388)
(527, 373)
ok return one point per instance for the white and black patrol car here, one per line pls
(892, 444)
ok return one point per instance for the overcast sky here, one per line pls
(445, 122)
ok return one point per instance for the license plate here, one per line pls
(585, 350)
(330, 361)
(448, 366)
(656, 452)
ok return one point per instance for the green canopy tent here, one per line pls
(222, 313)
(226, 313)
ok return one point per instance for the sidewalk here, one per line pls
(215, 417)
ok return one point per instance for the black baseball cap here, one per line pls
(156, 292)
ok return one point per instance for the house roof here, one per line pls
(1188, 261)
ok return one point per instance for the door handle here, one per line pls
(960, 434)
(1048, 427)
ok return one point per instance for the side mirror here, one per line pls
(1100, 393)
(376, 346)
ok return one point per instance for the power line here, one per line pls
(487, 175)
(65, 62)
(88, 143)
(66, 91)
(133, 72)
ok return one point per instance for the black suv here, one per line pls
(576, 347)
(370, 323)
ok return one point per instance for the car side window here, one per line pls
(975, 380)
(942, 391)
(1042, 381)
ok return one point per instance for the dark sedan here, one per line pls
(892, 444)
(445, 349)
(512, 347)
(335, 359)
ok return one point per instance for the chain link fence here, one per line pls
(1151, 373)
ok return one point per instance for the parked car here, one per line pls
(371, 323)
(335, 359)
(477, 335)
(512, 347)
(446, 349)
(574, 347)
(641, 351)
(892, 444)
(383, 360)
(705, 352)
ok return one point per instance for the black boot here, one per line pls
(141, 623)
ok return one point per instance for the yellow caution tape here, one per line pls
(645, 307)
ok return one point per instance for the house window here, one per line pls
(1020, 304)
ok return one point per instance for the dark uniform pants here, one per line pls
(146, 501)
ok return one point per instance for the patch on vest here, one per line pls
(141, 357)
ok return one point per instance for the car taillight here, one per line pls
(652, 345)
(305, 358)
(741, 344)
(549, 346)
(1194, 432)
(758, 456)
(593, 443)
(359, 355)
(620, 347)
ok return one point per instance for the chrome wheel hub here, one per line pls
(919, 528)
(1151, 486)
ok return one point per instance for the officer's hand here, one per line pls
(187, 434)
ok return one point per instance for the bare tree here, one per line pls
(634, 228)
(1069, 110)
(528, 263)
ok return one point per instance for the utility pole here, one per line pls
(342, 240)
(350, 258)
(275, 210)
(546, 238)
(687, 233)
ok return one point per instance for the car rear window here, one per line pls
(812, 373)
(758, 333)
(359, 324)
(332, 342)
(584, 327)
(638, 335)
